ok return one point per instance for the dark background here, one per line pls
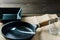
(34, 7)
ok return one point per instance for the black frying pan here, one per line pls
(18, 30)
(10, 14)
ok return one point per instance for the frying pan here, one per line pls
(10, 14)
(18, 30)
